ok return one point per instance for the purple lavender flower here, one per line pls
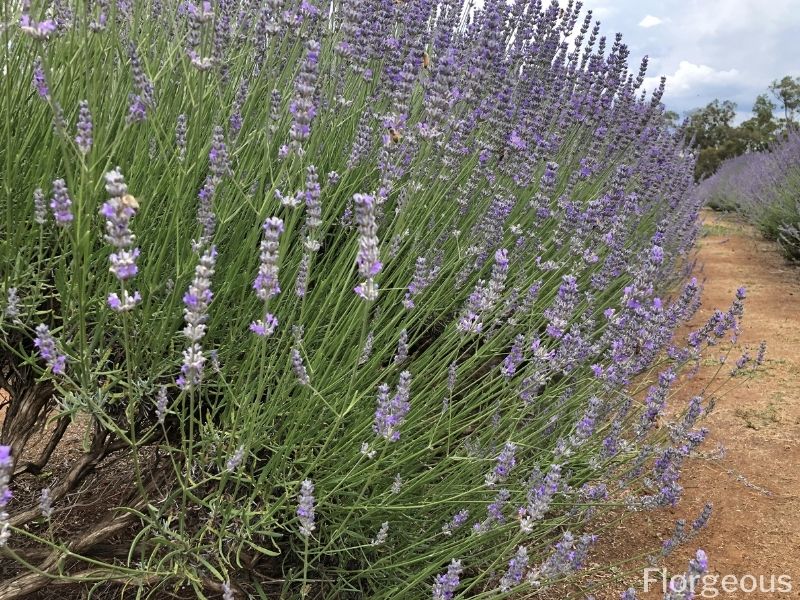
(275, 110)
(46, 503)
(6, 463)
(367, 259)
(445, 584)
(514, 358)
(197, 300)
(657, 255)
(38, 30)
(506, 461)
(84, 137)
(540, 496)
(39, 79)
(456, 522)
(301, 282)
(265, 327)
(235, 120)
(568, 556)
(302, 106)
(266, 282)
(402, 348)
(124, 301)
(143, 98)
(451, 376)
(494, 513)
(516, 141)
(382, 535)
(137, 109)
(548, 180)
(366, 351)
(39, 207)
(235, 460)
(99, 24)
(485, 296)
(161, 404)
(118, 212)
(702, 519)
(423, 277)
(629, 594)
(299, 368)
(313, 206)
(59, 121)
(391, 411)
(683, 588)
(305, 508)
(205, 209)
(123, 264)
(516, 570)
(227, 591)
(586, 425)
(219, 162)
(11, 310)
(180, 136)
(61, 204)
(762, 351)
(48, 349)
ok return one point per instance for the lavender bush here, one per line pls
(364, 299)
(765, 188)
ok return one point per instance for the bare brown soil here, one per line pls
(754, 482)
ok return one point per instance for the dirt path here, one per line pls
(754, 484)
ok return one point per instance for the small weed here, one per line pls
(758, 419)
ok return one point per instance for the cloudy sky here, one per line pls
(726, 49)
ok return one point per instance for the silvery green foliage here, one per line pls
(468, 293)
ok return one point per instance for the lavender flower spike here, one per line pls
(6, 463)
(180, 136)
(382, 535)
(444, 587)
(11, 310)
(46, 503)
(124, 301)
(305, 508)
(456, 522)
(391, 412)
(39, 79)
(368, 259)
(219, 163)
(161, 404)
(265, 327)
(84, 137)
(118, 211)
(39, 207)
(506, 461)
(516, 570)
(299, 368)
(38, 30)
(61, 204)
(266, 282)
(302, 106)
(197, 300)
(48, 350)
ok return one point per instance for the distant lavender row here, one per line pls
(765, 188)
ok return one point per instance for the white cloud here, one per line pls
(650, 21)
(690, 76)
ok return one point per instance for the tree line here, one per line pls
(715, 138)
